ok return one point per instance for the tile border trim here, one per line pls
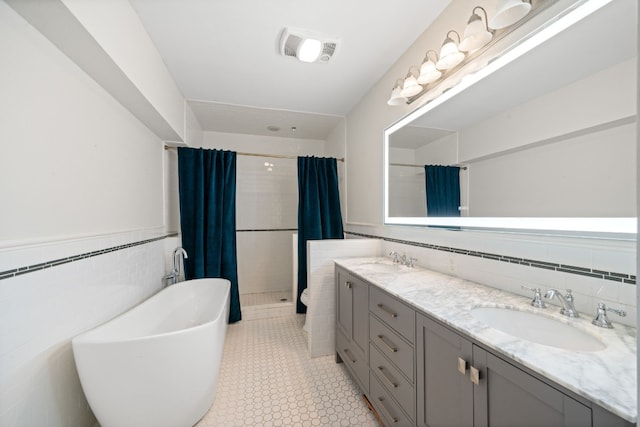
(48, 264)
(564, 268)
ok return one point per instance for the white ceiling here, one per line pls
(224, 56)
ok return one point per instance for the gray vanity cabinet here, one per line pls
(352, 324)
(417, 371)
(460, 383)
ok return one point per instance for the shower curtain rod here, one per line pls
(420, 166)
(276, 156)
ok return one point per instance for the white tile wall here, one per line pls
(265, 261)
(41, 311)
(266, 196)
(607, 255)
(321, 311)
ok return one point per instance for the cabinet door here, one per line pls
(444, 391)
(506, 396)
(360, 319)
(344, 296)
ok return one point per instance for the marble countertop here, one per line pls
(607, 377)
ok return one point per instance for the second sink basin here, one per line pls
(537, 328)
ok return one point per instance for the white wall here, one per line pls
(80, 176)
(133, 50)
(74, 161)
(336, 147)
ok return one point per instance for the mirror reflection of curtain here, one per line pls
(207, 188)
(319, 214)
(443, 190)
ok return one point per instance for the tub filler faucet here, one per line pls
(179, 255)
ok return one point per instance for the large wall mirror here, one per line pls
(541, 138)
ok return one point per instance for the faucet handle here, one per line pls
(537, 297)
(601, 318)
(410, 261)
(395, 255)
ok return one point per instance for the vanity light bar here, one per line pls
(445, 81)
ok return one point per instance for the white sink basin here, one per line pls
(537, 328)
(381, 267)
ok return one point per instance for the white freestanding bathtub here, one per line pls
(157, 364)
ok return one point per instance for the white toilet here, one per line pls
(304, 298)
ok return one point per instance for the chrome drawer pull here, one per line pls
(393, 419)
(388, 343)
(348, 353)
(348, 284)
(389, 380)
(387, 310)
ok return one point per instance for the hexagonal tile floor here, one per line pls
(268, 379)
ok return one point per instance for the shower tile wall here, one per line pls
(266, 206)
(41, 311)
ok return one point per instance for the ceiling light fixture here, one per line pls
(477, 33)
(508, 12)
(309, 50)
(450, 55)
(306, 46)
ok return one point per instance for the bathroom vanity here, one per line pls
(411, 340)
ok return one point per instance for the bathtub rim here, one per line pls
(85, 336)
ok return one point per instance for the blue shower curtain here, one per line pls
(207, 185)
(319, 215)
(443, 190)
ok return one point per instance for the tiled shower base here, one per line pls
(266, 304)
(265, 298)
(268, 379)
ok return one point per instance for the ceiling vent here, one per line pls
(307, 47)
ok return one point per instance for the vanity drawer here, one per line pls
(394, 313)
(389, 343)
(354, 359)
(386, 406)
(396, 384)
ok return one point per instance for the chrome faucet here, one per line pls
(537, 296)
(566, 300)
(601, 318)
(402, 260)
(408, 261)
(179, 254)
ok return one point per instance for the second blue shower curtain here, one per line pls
(319, 214)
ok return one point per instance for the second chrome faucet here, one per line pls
(566, 301)
(568, 309)
(403, 260)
